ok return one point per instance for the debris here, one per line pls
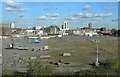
(45, 56)
(45, 47)
(66, 54)
(33, 57)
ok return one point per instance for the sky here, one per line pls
(77, 14)
(63, 0)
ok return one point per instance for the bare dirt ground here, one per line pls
(82, 49)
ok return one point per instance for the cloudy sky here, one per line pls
(78, 14)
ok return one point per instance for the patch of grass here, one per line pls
(82, 50)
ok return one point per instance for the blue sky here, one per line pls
(63, 0)
(78, 14)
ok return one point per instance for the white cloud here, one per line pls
(23, 9)
(99, 15)
(98, 18)
(46, 18)
(79, 14)
(103, 15)
(109, 14)
(53, 18)
(82, 19)
(88, 15)
(12, 4)
(70, 18)
(86, 7)
(8, 9)
(53, 15)
(83, 15)
(48, 14)
(43, 18)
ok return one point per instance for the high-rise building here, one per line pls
(12, 25)
(62, 27)
(90, 25)
(65, 26)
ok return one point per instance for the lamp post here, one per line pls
(97, 59)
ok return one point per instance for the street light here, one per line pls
(97, 59)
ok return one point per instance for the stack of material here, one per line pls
(45, 47)
(45, 56)
(66, 54)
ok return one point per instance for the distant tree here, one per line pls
(52, 26)
(103, 28)
(46, 29)
(119, 32)
(114, 31)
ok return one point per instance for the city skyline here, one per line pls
(77, 14)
